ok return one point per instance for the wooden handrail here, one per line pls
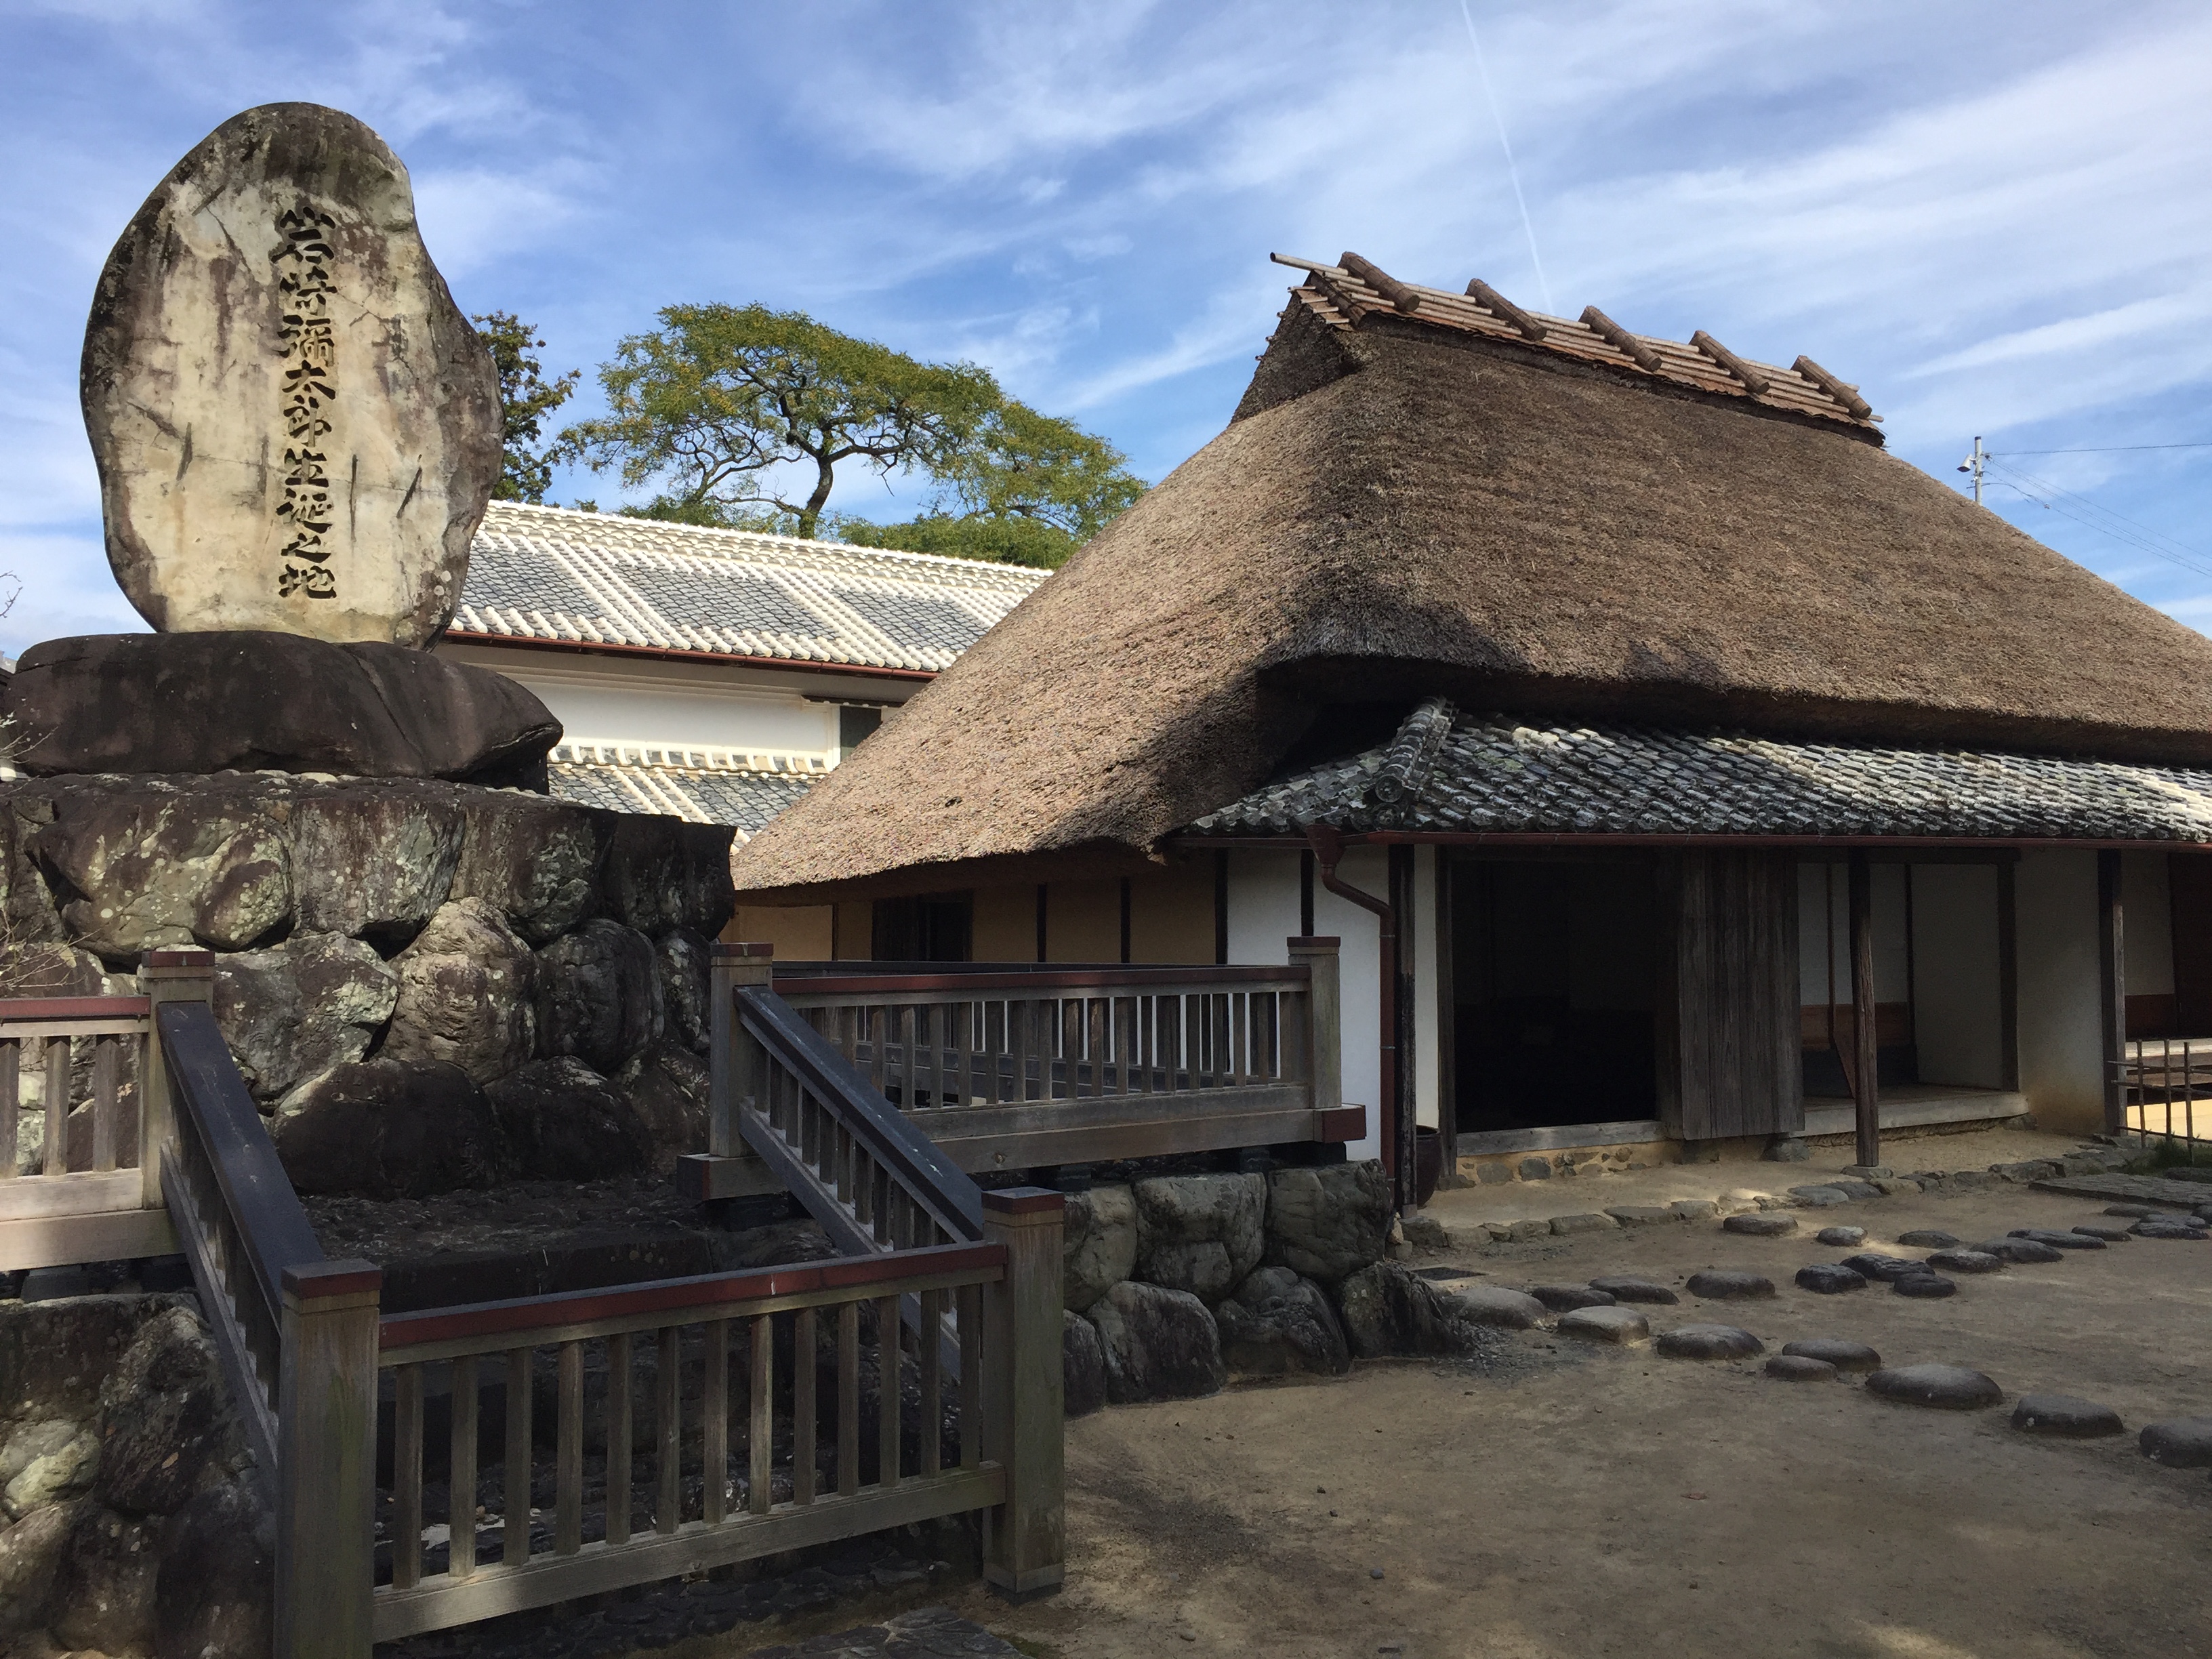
(33, 1008)
(206, 1088)
(890, 1136)
(678, 1301)
(840, 979)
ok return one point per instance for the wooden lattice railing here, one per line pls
(1006, 1066)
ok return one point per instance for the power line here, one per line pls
(2118, 525)
(2115, 449)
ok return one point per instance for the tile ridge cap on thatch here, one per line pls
(1355, 287)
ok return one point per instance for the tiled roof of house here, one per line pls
(1342, 294)
(704, 786)
(549, 573)
(1489, 774)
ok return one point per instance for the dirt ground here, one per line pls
(1568, 1500)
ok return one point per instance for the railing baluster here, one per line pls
(569, 1454)
(849, 1398)
(618, 1439)
(1022, 1016)
(407, 1477)
(880, 1026)
(461, 1472)
(909, 1070)
(668, 1423)
(11, 1060)
(932, 1391)
(802, 1434)
(105, 1106)
(761, 1437)
(970, 1300)
(887, 1392)
(56, 1160)
(715, 1409)
(514, 1474)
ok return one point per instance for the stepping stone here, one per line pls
(1709, 1342)
(1495, 1305)
(1819, 1198)
(1692, 1209)
(1564, 1298)
(1624, 1287)
(1730, 1285)
(1966, 1261)
(1640, 1215)
(1886, 1268)
(1616, 1324)
(2180, 1443)
(1927, 1287)
(1800, 1368)
(1928, 1238)
(2018, 1250)
(2167, 1229)
(1771, 1224)
(1840, 1238)
(1844, 1356)
(2065, 1415)
(2109, 1235)
(1830, 1278)
(1858, 1191)
(2136, 1210)
(2057, 1241)
(1947, 1387)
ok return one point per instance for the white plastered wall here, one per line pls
(1427, 1067)
(1263, 915)
(2061, 1038)
(1830, 884)
(1958, 1015)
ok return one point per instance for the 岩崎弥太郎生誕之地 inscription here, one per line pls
(303, 288)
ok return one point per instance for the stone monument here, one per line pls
(296, 428)
(297, 431)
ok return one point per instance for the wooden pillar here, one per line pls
(1866, 1040)
(326, 1460)
(1318, 955)
(167, 976)
(1404, 1096)
(1024, 1398)
(2008, 974)
(1447, 1023)
(736, 1070)
(2112, 988)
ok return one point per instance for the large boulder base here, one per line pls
(566, 1122)
(464, 994)
(235, 700)
(1277, 1323)
(296, 427)
(599, 996)
(394, 1128)
(1159, 1344)
(1328, 1223)
(302, 1008)
(1098, 1244)
(1388, 1311)
(1199, 1233)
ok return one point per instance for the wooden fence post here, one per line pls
(1324, 1018)
(168, 976)
(736, 1054)
(326, 1476)
(1023, 1394)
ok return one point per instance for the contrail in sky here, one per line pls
(1512, 170)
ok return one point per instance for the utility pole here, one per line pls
(1973, 464)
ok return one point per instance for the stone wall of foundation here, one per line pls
(426, 985)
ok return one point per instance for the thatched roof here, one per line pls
(1408, 506)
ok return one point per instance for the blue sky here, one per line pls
(1995, 218)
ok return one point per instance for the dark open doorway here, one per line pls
(1554, 981)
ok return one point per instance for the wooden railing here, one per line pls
(304, 1347)
(89, 1059)
(1009, 1066)
(758, 1441)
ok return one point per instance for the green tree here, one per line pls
(1030, 490)
(721, 403)
(526, 399)
(718, 397)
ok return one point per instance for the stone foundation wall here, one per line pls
(1175, 1283)
(426, 985)
(1493, 1168)
(128, 1520)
